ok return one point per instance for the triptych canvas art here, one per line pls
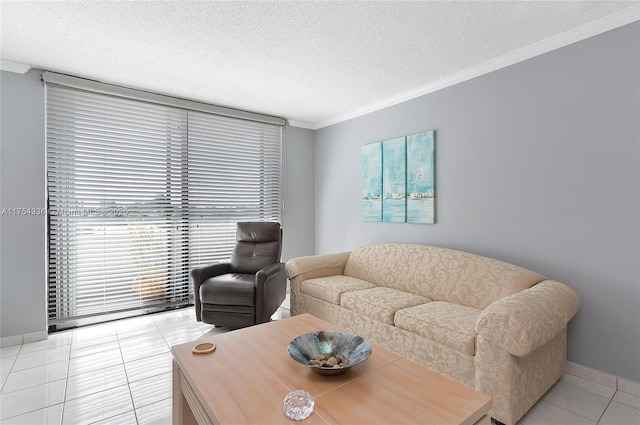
(398, 179)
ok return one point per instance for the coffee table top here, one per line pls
(248, 375)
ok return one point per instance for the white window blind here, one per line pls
(234, 175)
(139, 193)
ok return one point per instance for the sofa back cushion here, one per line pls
(439, 274)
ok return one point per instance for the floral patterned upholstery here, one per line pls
(332, 287)
(439, 274)
(493, 326)
(522, 322)
(450, 324)
(380, 303)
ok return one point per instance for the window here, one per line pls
(141, 192)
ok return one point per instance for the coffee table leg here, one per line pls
(485, 420)
(181, 412)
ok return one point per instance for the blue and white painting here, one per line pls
(372, 182)
(420, 178)
(394, 180)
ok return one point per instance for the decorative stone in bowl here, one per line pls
(329, 352)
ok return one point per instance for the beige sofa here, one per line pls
(488, 324)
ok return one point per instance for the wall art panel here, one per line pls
(372, 182)
(398, 179)
(420, 178)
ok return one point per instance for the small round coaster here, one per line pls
(204, 348)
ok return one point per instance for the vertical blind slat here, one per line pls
(139, 194)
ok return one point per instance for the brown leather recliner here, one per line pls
(250, 288)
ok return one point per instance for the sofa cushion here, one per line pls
(449, 324)
(332, 287)
(380, 303)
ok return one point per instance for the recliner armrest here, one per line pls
(271, 290)
(524, 321)
(269, 272)
(199, 275)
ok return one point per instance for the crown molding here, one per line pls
(302, 124)
(10, 66)
(580, 33)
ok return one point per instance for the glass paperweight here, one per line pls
(298, 405)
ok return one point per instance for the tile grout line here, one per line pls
(66, 382)
(606, 407)
(135, 413)
(46, 383)
(561, 408)
(67, 376)
(615, 390)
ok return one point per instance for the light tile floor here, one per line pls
(113, 373)
(120, 373)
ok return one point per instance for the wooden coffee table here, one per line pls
(248, 375)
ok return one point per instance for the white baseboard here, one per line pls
(628, 386)
(621, 384)
(9, 341)
(35, 336)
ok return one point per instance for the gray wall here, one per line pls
(299, 213)
(23, 238)
(537, 164)
(23, 307)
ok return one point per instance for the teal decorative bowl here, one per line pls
(329, 352)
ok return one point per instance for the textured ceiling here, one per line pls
(312, 62)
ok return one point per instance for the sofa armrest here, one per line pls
(524, 321)
(303, 268)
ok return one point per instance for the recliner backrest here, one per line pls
(258, 245)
